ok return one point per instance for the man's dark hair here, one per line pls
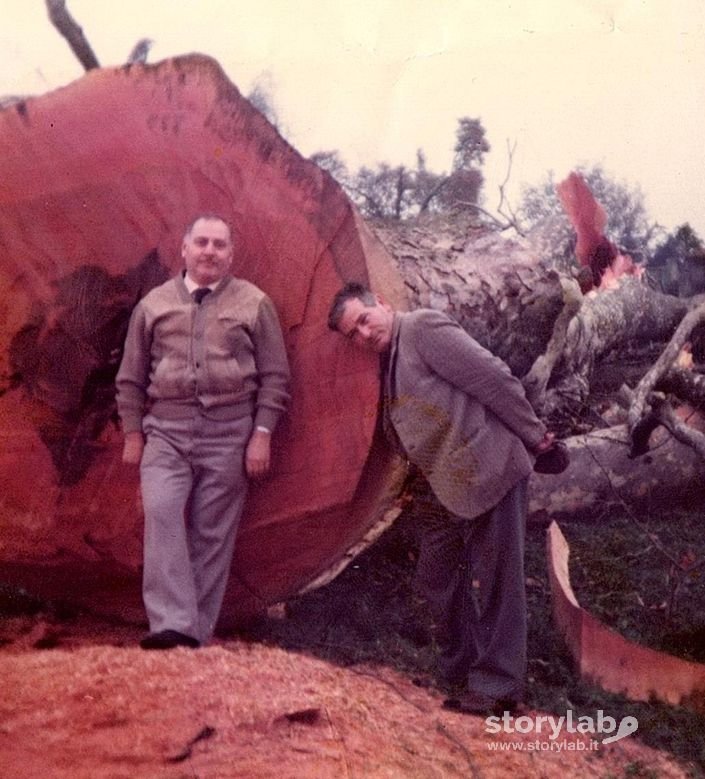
(353, 289)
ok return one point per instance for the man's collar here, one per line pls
(191, 284)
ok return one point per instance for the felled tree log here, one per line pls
(625, 316)
(507, 297)
(603, 479)
(498, 288)
(99, 180)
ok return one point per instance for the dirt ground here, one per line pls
(96, 710)
(339, 683)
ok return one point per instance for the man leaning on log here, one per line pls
(457, 413)
(202, 383)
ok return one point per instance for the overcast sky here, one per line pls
(620, 83)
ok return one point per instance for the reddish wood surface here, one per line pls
(593, 250)
(98, 181)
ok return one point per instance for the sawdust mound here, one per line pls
(245, 710)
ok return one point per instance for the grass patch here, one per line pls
(645, 578)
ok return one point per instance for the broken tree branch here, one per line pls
(643, 390)
(72, 33)
(679, 430)
(629, 314)
(536, 380)
(511, 217)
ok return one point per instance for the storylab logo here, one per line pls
(551, 731)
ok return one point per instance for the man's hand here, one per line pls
(545, 443)
(551, 456)
(257, 454)
(133, 448)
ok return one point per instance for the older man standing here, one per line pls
(459, 415)
(202, 384)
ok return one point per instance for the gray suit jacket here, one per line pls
(458, 412)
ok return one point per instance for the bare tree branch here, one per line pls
(426, 202)
(140, 52)
(536, 380)
(643, 390)
(72, 33)
(465, 204)
(680, 431)
(510, 216)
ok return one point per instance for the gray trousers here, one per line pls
(471, 572)
(193, 490)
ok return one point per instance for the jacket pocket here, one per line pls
(172, 379)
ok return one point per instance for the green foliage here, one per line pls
(470, 144)
(644, 579)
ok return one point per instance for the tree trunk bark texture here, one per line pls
(609, 321)
(497, 288)
(603, 479)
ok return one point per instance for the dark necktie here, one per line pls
(200, 293)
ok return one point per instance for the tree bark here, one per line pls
(627, 316)
(523, 310)
(496, 287)
(603, 478)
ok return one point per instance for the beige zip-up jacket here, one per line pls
(225, 356)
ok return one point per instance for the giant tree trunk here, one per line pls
(99, 180)
(505, 295)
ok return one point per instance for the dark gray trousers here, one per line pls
(471, 572)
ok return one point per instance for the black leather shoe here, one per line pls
(168, 639)
(479, 703)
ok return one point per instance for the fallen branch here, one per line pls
(536, 380)
(629, 315)
(679, 430)
(645, 387)
(72, 33)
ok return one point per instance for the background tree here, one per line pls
(678, 264)
(332, 162)
(399, 192)
(383, 192)
(470, 144)
(429, 185)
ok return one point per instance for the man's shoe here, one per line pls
(168, 639)
(479, 703)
